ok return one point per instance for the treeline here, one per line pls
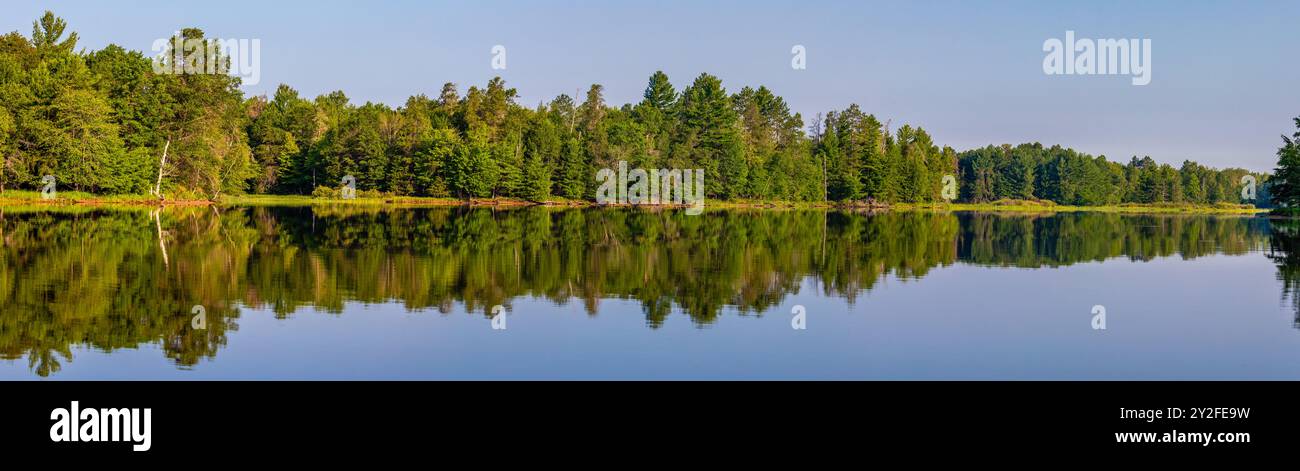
(1031, 171)
(102, 121)
(484, 144)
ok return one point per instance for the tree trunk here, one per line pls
(157, 186)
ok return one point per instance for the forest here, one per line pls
(102, 121)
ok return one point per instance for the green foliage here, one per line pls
(1066, 176)
(864, 162)
(574, 175)
(1285, 184)
(325, 192)
(542, 152)
(100, 122)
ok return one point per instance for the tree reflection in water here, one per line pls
(102, 278)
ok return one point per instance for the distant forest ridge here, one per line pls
(102, 121)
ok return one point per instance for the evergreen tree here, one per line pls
(710, 138)
(573, 171)
(1284, 186)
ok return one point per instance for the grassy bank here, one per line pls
(33, 199)
(1036, 207)
(398, 201)
(66, 198)
(418, 201)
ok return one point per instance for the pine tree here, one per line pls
(537, 178)
(1284, 186)
(573, 174)
(432, 163)
(710, 137)
(542, 150)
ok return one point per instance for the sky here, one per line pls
(1224, 81)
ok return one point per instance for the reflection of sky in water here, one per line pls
(1214, 317)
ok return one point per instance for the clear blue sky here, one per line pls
(1225, 81)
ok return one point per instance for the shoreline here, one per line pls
(412, 201)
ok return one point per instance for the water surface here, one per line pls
(350, 292)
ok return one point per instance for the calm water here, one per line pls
(365, 293)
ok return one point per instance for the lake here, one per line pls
(359, 292)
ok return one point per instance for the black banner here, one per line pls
(1176, 420)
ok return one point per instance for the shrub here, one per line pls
(182, 193)
(325, 192)
(1016, 202)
